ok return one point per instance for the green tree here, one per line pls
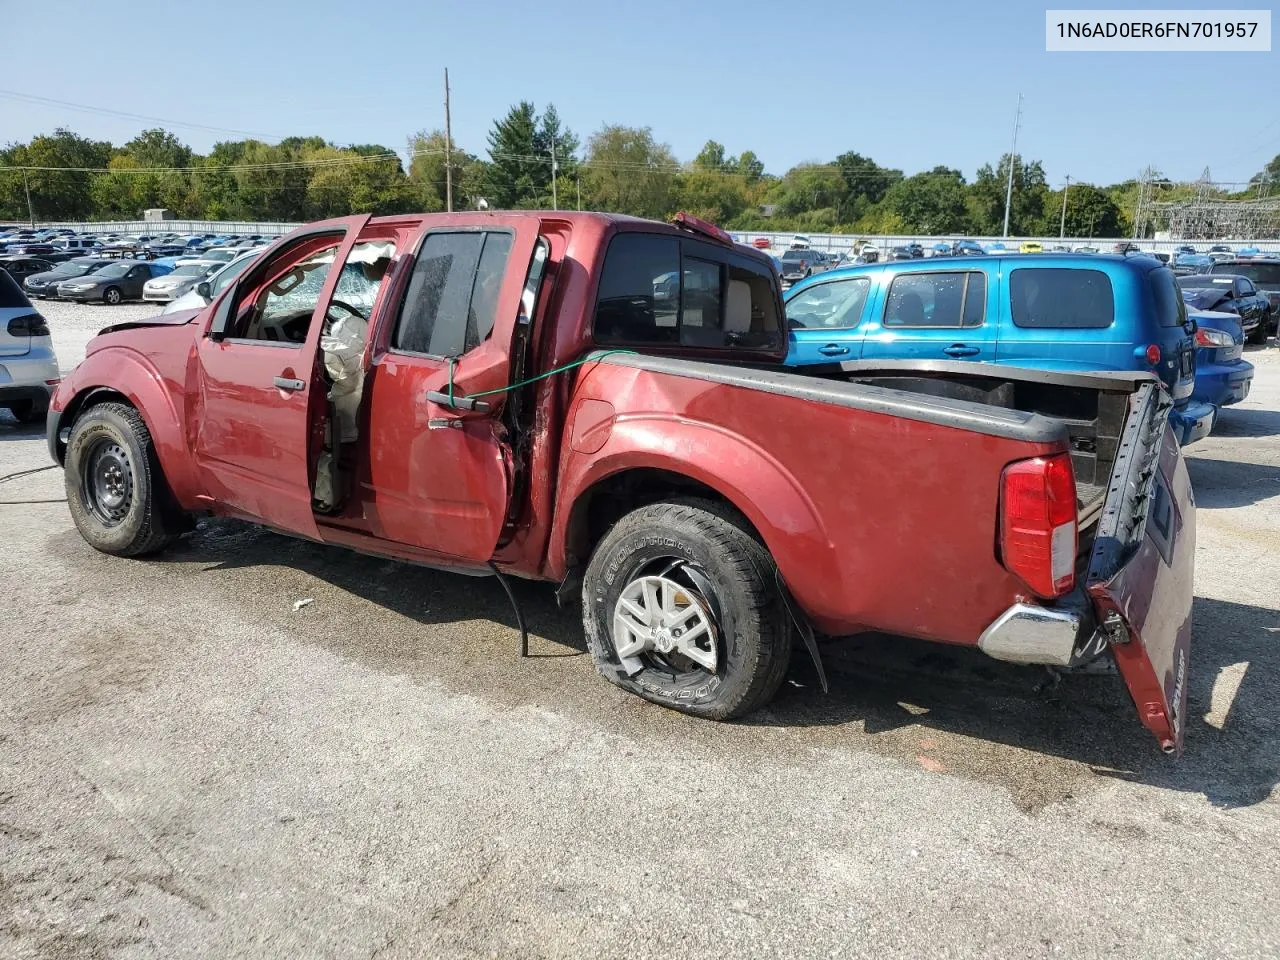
(1091, 212)
(711, 156)
(865, 183)
(929, 203)
(987, 197)
(1269, 176)
(57, 193)
(627, 171)
(749, 167)
(816, 190)
(520, 154)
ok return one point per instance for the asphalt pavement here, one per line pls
(191, 767)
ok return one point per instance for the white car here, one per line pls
(217, 254)
(201, 294)
(183, 278)
(28, 365)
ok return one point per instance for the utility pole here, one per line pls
(554, 198)
(448, 148)
(27, 185)
(1062, 227)
(578, 182)
(1013, 157)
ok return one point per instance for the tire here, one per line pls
(1260, 332)
(112, 296)
(142, 519)
(728, 574)
(25, 411)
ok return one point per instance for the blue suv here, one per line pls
(1051, 311)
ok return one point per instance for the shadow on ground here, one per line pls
(948, 709)
(1231, 483)
(1247, 422)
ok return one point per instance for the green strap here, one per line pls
(599, 355)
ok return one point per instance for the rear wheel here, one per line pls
(112, 296)
(681, 605)
(116, 492)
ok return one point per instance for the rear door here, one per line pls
(825, 320)
(259, 388)
(933, 315)
(438, 469)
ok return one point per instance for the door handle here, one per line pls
(960, 350)
(285, 383)
(833, 350)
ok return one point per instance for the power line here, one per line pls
(86, 108)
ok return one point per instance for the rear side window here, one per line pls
(1171, 308)
(451, 303)
(11, 294)
(951, 299)
(1059, 298)
(656, 290)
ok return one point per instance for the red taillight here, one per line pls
(1153, 353)
(1038, 523)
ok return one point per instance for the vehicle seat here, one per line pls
(908, 310)
(737, 307)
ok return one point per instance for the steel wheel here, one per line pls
(663, 619)
(106, 482)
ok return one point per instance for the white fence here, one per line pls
(842, 242)
(829, 242)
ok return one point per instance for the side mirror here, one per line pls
(1192, 326)
(203, 289)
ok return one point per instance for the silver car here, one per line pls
(183, 278)
(28, 366)
(201, 294)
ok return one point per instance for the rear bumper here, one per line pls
(1055, 635)
(1222, 384)
(1192, 420)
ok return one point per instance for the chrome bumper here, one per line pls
(1030, 634)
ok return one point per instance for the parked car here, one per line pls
(1051, 312)
(1188, 264)
(1031, 246)
(1124, 247)
(1223, 376)
(653, 480)
(760, 243)
(1230, 293)
(1184, 248)
(172, 285)
(26, 355)
(215, 254)
(116, 282)
(799, 263)
(20, 267)
(45, 284)
(1265, 276)
(75, 246)
(901, 253)
(1085, 249)
(967, 248)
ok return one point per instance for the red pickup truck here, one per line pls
(597, 401)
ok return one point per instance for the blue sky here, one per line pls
(910, 84)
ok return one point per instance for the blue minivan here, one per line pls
(1051, 311)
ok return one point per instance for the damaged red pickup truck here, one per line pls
(597, 401)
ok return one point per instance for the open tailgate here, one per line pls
(1141, 568)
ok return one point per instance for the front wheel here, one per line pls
(112, 296)
(115, 490)
(682, 606)
(1259, 334)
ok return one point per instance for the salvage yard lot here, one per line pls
(191, 767)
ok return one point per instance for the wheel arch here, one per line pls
(773, 506)
(122, 376)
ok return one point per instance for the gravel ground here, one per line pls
(189, 767)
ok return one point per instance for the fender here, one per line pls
(740, 471)
(131, 374)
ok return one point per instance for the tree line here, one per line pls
(63, 176)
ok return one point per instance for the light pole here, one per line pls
(1062, 226)
(554, 199)
(1013, 154)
